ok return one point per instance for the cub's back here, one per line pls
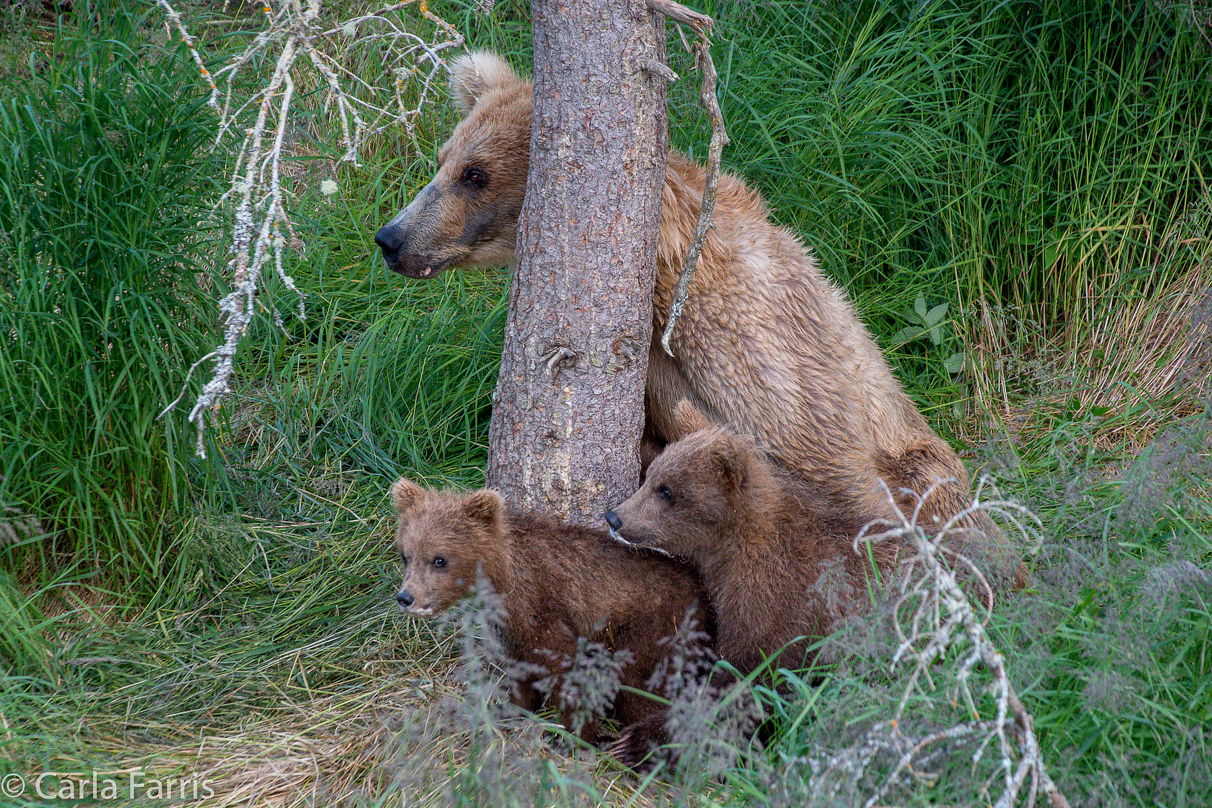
(594, 582)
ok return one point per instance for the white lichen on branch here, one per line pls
(296, 37)
(939, 633)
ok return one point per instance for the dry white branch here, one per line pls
(935, 620)
(294, 37)
(719, 139)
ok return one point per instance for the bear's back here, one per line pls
(585, 580)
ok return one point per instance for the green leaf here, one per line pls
(1052, 248)
(1050, 253)
(936, 314)
(919, 306)
(907, 335)
(955, 363)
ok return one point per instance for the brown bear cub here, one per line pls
(779, 567)
(778, 563)
(766, 344)
(560, 585)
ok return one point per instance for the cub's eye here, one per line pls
(664, 493)
(439, 562)
(474, 178)
(404, 559)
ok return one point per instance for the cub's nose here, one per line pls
(404, 598)
(613, 520)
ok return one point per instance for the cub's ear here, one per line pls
(730, 460)
(688, 418)
(405, 494)
(475, 73)
(484, 506)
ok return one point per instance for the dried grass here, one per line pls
(1148, 363)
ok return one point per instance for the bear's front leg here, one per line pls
(524, 694)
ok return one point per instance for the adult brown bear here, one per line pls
(766, 344)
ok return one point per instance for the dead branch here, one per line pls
(292, 38)
(677, 12)
(719, 138)
(943, 620)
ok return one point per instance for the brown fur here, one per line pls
(778, 564)
(558, 583)
(766, 344)
(776, 558)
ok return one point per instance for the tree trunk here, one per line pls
(568, 410)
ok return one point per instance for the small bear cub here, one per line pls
(561, 586)
(776, 559)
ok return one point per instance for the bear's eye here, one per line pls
(439, 562)
(474, 178)
(664, 493)
(404, 559)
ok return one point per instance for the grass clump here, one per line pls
(104, 300)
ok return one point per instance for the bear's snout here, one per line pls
(391, 242)
(404, 598)
(615, 523)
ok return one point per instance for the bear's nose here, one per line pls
(404, 598)
(613, 520)
(390, 241)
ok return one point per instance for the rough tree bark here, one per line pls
(568, 410)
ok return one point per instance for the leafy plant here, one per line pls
(930, 323)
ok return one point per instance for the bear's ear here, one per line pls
(475, 73)
(688, 418)
(731, 462)
(484, 506)
(405, 494)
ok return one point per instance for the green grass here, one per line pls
(103, 191)
(1037, 168)
(996, 159)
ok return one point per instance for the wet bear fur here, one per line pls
(778, 561)
(779, 565)
(766, 344)
(560, 585)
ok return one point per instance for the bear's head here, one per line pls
(445, 540)
(468, 213)
(701, 487)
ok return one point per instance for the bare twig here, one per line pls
(175, 20)
(262, 227)
(719, 138)
(556, 356)
(934, 616)
(189, 374)
(659, 69)
(677, 12)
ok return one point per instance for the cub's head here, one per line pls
(468, 213)
(444, 539)
(696, 491)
